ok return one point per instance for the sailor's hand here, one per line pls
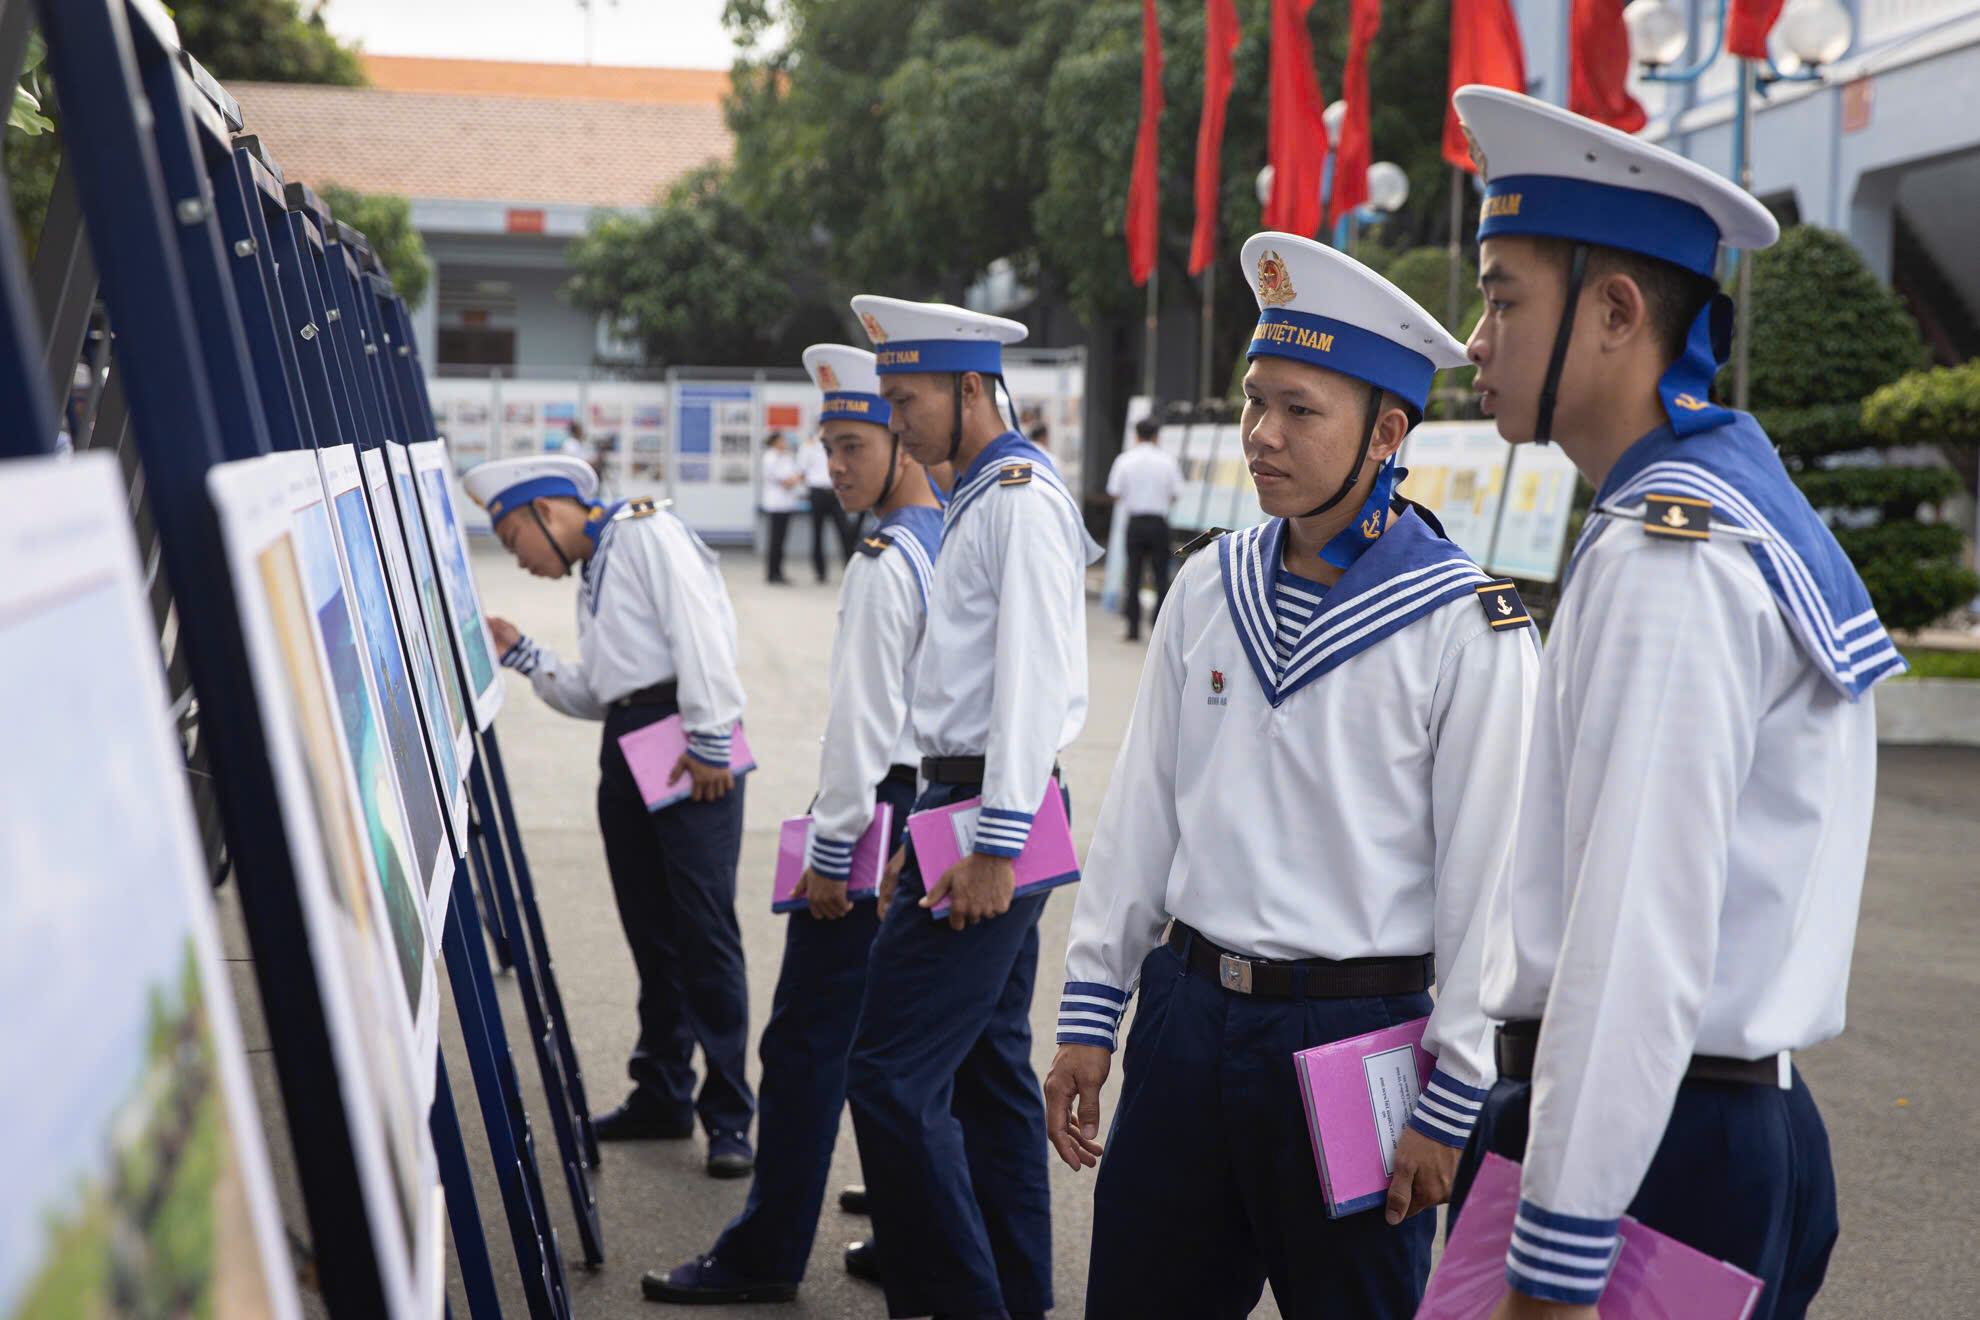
(977, 887)
(1072, 1103)
(890, 878)
(1425, 1170)
(1518, 1306)
(827, 897)
(506, 634)
(711, 782)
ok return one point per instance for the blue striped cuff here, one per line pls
(1001, 833)
(1090, 1013)
(1561, 1258)
(832, 858)
(711, 747)
(523, 657)
(1447, 1110)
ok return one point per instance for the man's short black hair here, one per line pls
(1148, 428)
(1672, 295)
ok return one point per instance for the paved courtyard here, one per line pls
(1897, 1089)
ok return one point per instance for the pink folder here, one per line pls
(869, 859)
(941, 834)
(1359, 1093)
(1656, 1277)
(652, 753)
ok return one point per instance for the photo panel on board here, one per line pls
(354, 951)
(474, 645)
(137, 1171)
(426, 582)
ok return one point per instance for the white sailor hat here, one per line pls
(504, 485)
(1323, 307)
(1555, 174)
(850, 383)
(913, 337)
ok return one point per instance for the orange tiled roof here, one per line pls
(482, 147)
(565, 82)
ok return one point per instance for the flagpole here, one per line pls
(1150, 328)
(1203, 390)
(1457, 248)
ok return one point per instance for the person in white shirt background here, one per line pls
(826, 511)
(781, 497)
(1695, 821)
(1145, 481)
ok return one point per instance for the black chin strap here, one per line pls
(955, 426)
(545, 529)
(1374, 410)
(1543, 424)
(893, 462)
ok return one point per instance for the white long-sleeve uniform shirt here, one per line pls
(1356, 804)
(1693, 830)
(1003, 669)
(883, 615)
(652, 607)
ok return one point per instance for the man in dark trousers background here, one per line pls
(1146, 480)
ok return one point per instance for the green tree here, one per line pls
(386, 222)
(265, 41)
(1826, 333)
(694, 278)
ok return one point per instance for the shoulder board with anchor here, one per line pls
(1191, 546)
(1014, 474)
(1504, 610)
(872, 546)
(1678, 518)
(640, 508)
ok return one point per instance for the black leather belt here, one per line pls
(660, 694)
(1305, 978)
(1519, 1040)
(961, 770)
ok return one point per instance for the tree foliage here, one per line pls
(386, 223)
(1826, 333)
(265, 41)
(695, 279)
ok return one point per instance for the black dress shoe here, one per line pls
(729, 1155)
(852, 1200)
(632, 1121)
(862, 1261)
(705, 1282)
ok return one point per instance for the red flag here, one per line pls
(1747, 24)
(1144, 208)
(1220, 39)
(1600, 58)
(1484, 49)
(1355, 152)
(1296, 138)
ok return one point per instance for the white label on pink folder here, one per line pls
(1359, 1094)
(1656, 1277)
(941, 835)
(869, 859)
(653, 751)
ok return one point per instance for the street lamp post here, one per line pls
(1810, 34)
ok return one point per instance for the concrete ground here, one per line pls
(1897, 1089)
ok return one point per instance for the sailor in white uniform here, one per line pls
(868, 761)
(945, 1103)
(1692, 835)
(656, 637)
(1316, 789)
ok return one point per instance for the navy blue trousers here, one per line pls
(950, 1120)
(804, 1050)
(1743, 1174)
(1208, 1189)
(674, 877)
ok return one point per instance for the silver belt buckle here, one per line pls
(1234, 973)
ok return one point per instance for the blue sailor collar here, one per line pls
(1010, 459)
(601, 517)
(1734, 467)
(916, 530)
(598, 527)
(1405, 574)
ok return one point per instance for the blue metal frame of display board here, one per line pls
(248, 321)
